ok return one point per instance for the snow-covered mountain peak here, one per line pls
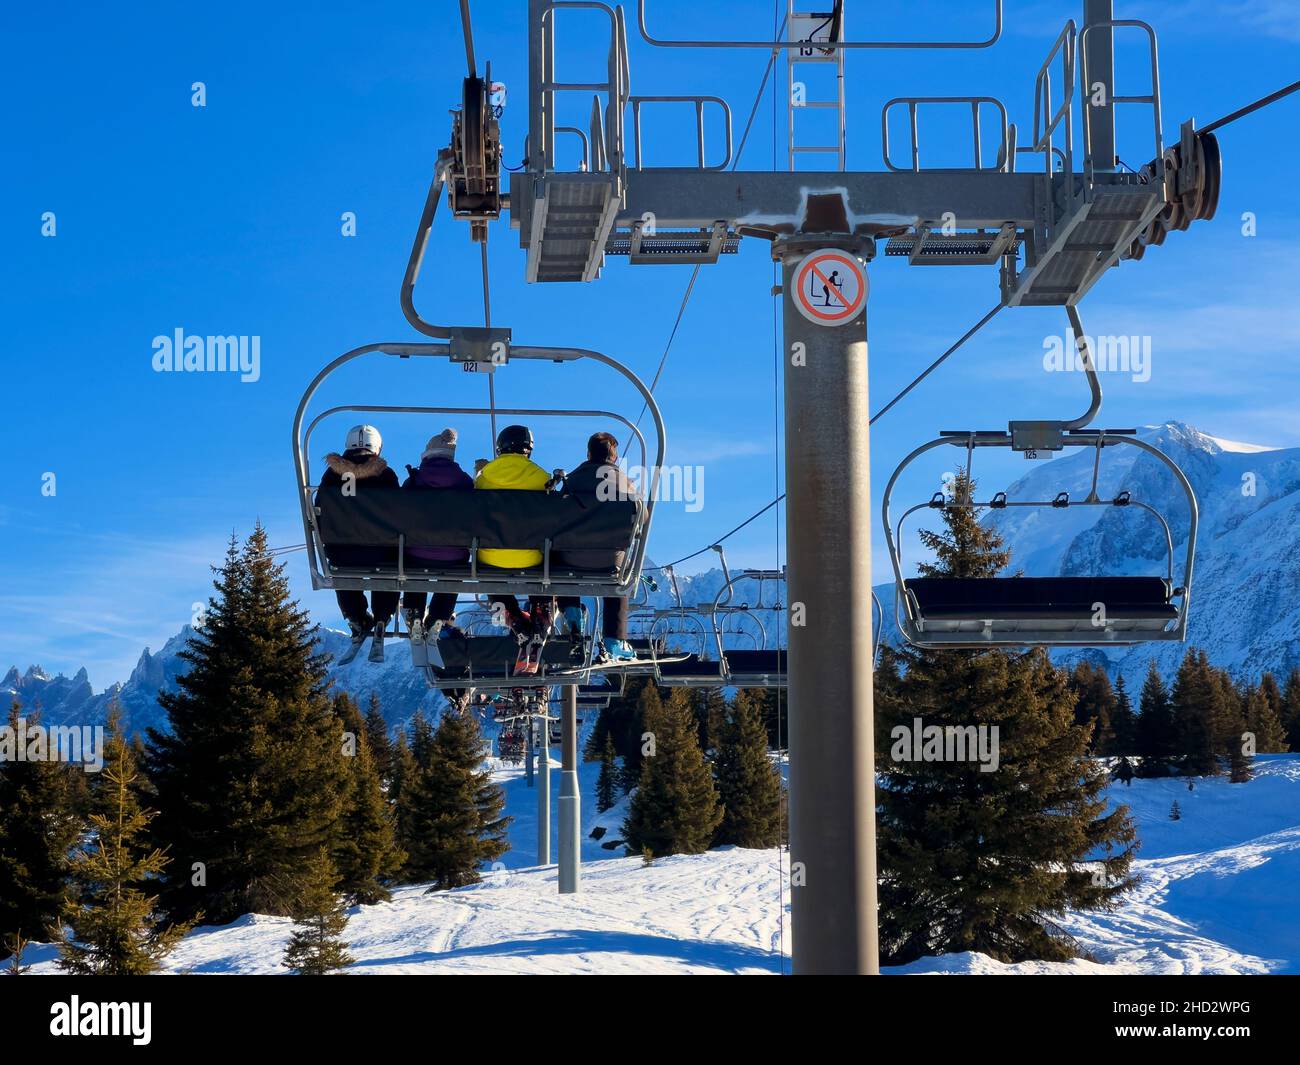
(1246, 582)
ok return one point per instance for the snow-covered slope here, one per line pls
(1217, 895)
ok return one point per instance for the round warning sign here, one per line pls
(830, 287)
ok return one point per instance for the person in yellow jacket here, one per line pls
(514, 469)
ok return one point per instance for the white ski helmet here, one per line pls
(364, 438)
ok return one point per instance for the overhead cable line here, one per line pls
(934, 365)
(1262, 102)
(469, 36)
(695, 273)
(872, 421)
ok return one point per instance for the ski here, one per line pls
(353, 649)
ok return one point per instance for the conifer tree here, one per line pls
(412, 755)
(776, 716)
(1123, 772)
(749, 785)
(607, 781)
(1095, 706)
(710, 714)
(1156, 739)
(1175, 814)
(316, 947)
(1291, 709)
(1241, 766)
(349, 714)
(1228, 720)
(1262, 720)
(403, 770)
(1123, 721)
(887, 679)
(965, 547)
(15, 946)
(381, 741)
(450, 809)
(1197, 705)
(971, 860)
(675, 808)
(249, 776)
(38, 829)
(622, 720)
(366, 856)
(1272, 691)
(112, 926)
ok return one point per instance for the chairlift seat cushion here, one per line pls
(496, 518)
(493, 657)
(759, 665)
(1041, 598)
(691, 668)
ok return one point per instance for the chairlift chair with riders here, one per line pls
(1080, 611)
(552, 521)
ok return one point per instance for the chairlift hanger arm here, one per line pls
(420, 245)
(1089, 369)
(726, 577)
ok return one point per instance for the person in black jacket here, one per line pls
(600, 479)
(361, 469)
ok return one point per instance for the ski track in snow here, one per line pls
(1216, 894)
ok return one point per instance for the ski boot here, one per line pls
(431, 649)
(618, 650)
(525, 666)
(377, 643)
(414, 625)
(360, 630)
(576, 618)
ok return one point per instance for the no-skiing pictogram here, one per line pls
(830, 287)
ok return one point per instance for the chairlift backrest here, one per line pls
(551, 523)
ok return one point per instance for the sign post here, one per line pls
(828, 531)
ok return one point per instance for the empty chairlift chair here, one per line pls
(1018, 611)
(758, 666)
(740, 633)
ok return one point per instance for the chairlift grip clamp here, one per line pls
(479, 344)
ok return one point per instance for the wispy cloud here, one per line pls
(1279, 19)
(104, 603)
(702, 450)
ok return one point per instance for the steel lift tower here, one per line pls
(1051, 230)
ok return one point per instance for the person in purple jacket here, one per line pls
(437, 471)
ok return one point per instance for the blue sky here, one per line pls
(226, 220)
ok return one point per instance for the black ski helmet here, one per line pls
(515, 440)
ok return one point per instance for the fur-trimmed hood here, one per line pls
(361, 466)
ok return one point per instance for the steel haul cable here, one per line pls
(874, 418)
(1262, 102)
(690, 285)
